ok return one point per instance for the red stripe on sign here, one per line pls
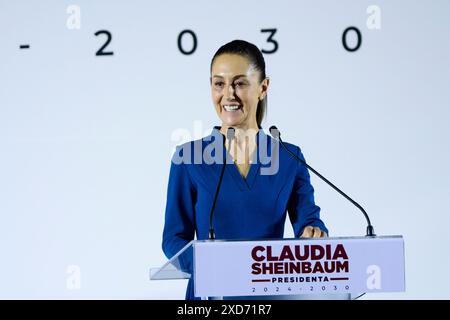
(261, 280)
(338, 278)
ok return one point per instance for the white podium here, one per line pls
(305, 268)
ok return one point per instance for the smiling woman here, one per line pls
(239, 93)
(252, 203)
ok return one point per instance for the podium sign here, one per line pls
(299, 266)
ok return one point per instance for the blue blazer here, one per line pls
(254, 207)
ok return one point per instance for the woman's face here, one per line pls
(236, 90)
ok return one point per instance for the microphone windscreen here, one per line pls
(274, 132)
(230, 133)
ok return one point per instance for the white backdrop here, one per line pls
(86, 140)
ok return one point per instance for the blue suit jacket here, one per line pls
(254, 207)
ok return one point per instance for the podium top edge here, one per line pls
(303, 239)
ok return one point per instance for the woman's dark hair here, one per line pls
(256, 59)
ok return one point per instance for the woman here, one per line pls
(252, 203)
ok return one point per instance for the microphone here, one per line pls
(370, 232)
(230, 137)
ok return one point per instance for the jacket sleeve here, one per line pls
(179, 225)
(301, 206)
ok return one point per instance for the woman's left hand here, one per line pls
(313, 232)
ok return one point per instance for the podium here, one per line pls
(303, 268)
